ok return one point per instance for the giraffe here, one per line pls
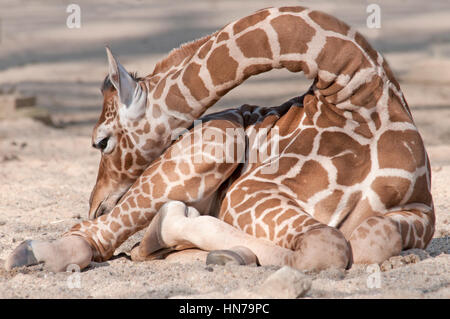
(352, 183)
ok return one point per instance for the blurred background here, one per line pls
(49, 169)
(64, 67)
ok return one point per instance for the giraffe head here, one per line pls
(127, 135)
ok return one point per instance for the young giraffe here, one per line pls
(353, 178)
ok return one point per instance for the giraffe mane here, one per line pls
(176, 56)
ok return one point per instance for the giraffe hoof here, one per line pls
(237, 255)
(21, 256)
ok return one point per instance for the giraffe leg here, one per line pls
(240, 255)
(375, 240)
(152, 245)
(319, 247)
(57, 255)
(380, 237)
(176, 175)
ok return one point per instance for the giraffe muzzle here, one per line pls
(106, 205)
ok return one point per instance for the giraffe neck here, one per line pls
(346, 69)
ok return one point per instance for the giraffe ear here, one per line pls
(130, 92)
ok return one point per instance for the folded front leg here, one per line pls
(57, 255)
(380, 237)
(186, 172)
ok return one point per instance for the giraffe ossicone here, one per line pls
(352, 179)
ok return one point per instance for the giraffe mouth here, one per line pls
(101, 210)
(107, 205)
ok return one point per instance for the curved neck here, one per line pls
(324, 48)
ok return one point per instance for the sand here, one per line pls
(47, 172)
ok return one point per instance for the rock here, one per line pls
(399, 261)
(285, 283)
(422, 254)
(335, 274)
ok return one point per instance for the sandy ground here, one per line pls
(47, 173)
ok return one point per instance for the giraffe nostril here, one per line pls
(102, 144)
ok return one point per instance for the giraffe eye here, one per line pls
(102, 144)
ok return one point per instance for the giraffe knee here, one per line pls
(375, 240)
(322, 248)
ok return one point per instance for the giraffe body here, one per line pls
(352, 181)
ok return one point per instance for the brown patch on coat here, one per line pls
(376, 119)
(362, 42)
(255, 44)
(158, 186)
(363, 128)
(368, 94)
(244, 219)
(143, 201)
(221, 66)
(176, 101)
(177, 56)
(126, 220)
(329, 23)
(291, 9)
(303, 143)
(293, 33)
(295, 66)
(115, 227)
(256, 69)
(194, 83)
(156, 111)
(362, 232)
(390, 74)
(159, 89)
(128, 161)
(260, 232)
(192, 186)
(311, 179)
(249, 21)
(357, 212)
(351, 167)
(178, 193)
(329, 116)
(140, 160)
(223, 36)
(205, 49)
(421, 192)
(327, 206)
(346, 57)
(397, 112)
(401, 149)
(390, 189)
(284, 165)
